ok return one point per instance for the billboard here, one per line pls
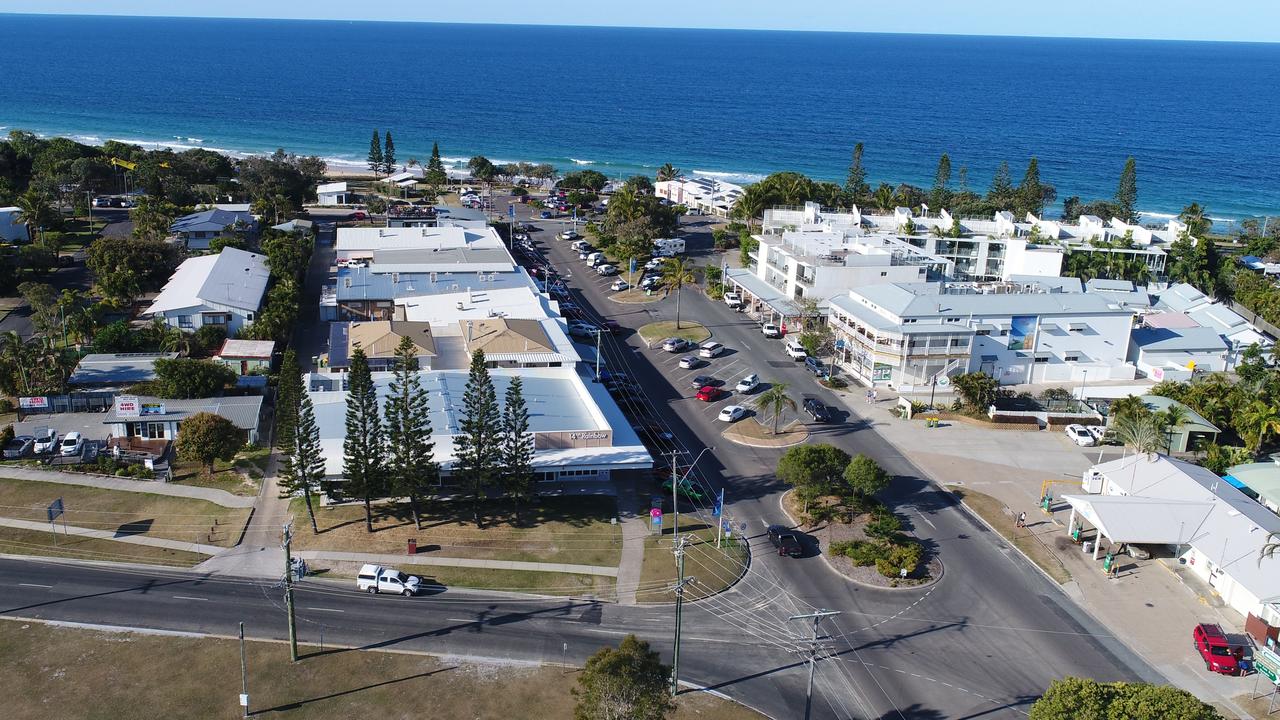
(882, 373)
(151, 409)
(1022, 332)
(34, 403)
(127, 406)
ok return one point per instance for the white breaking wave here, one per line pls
(576, 161)
(738, 177)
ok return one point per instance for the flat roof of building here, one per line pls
(1261, 477)
(1192, 339)
(117, 368)
(242, 410)
(365, 284)
(415, 238)
(257, 349)
(926, 300)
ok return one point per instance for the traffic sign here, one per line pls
(1268, 663)
(656, 515)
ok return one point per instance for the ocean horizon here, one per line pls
(733, 104)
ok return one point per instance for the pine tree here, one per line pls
(389, 155)
(411, 467)
(517, 446)
(1031, 191)
(435, 174)
(288, 393)
(375, 153)
(962, 178)
(941, 178)
(1001, 186)
(1127, 192)
(856, 183)
(363, 448)
(303, 463)
(477, 443)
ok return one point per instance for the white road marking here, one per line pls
(926, 519)
(188, 597)
(320, 609)
(47, 587)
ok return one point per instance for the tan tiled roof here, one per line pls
(503, 336)
(379, 338)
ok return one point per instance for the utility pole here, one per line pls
(288, 593)
(244, 675)
(813, 651)
(675, 499)
(598, 332)
(681, 581)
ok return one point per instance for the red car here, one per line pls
(708, 394)
(1212, 645)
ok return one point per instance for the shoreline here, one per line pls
(339, 166)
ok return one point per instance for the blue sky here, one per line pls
(1238, 20)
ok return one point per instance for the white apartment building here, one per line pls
(906, 335)
(701, 194)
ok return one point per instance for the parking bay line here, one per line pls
(189, 597)
(46, 587)
(320, 609)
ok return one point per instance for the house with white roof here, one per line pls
(700, 194)
(905, 335)
(1214, 529)
(336, 193)
(197, 229)
(223, 290)
(1236, 332)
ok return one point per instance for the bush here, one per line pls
(860, 552)
(6, 405)
(6, 435)
(906, 554)
(884, 525)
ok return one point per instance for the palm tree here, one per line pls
(1170, 419)
(883, 197)
(1140, 432)
(750, 205)
(624, 206)
(1270, 548)
(1260, 420)
(775, 400)
(675, 275)
(34, 210)
(668, 172)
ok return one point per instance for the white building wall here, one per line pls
(1100, 348)
(1174, 364)
(11, 230)
(1021, 260)
(330, 199)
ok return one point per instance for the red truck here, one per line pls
(1213, 646)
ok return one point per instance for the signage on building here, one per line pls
(588, 436)
(1157, 373)
(151, 409)
(127, 406)
(882, 373)
(34, 403)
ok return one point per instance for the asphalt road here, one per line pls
(984, 641)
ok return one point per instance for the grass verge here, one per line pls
(634, 296)
(79, 671)
(562, 529)
(998, 516)
(242, 476)
(658, 331)
(17, 541)
(715, 569)
(750, 431)
(527, 581)
(125, 513)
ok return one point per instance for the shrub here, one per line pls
(884, 525)
(6, 435)
(6, 405)
(906, 554)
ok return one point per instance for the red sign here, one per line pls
(784, 328)
(39, 402)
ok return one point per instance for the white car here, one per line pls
(607, 270)
(795, 350)
(732, 413)
(45, 442)
(376, 579)
(567, 235)
(748, 383)
(689, 362)
(675, 345)
(733, 300)
(72, 444)
(1081, 435)
(710, 349)
(620, 285)
(770, 330)
(653, 264)
(580, 245)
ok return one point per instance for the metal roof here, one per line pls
(210, 220)
(233, 278)
(233, 348)
(1152, 339)
(924, 300)
(117, 368)
(242, 411)
(1262, 478)
(365, 284)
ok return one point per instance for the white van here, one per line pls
(795, 350)
(578, 245)
(594, 259)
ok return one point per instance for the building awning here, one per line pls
(1131, 519)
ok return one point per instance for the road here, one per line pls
(986, 640)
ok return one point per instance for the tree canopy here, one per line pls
(629, 683)
(188, 378)
(206, 437)
(1073, 698)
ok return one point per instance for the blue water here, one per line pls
(1200, 118)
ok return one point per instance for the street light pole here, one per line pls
(813, 651)
(681, 581)
(598, 331)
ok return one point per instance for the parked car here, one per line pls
(817, 410)
(376, 579)
(815, 366)
(650, 282)
(689, 362)
(18, 447)
(581, 245)
(607, 270)
(613, 327)
(748, 383)
(733, 413)
(567, 235)
(675, 345)
(786, 541)
(654, 264)
(708, 394)
(72, 444)
(1214, 648)
(619, 285)
(771, 331)
(687, 489)
(651, 432)
(710, 349)
(1081, 435)
(45, 442)
(545, 214)
(794, 349)
(581, 330)
(733, 300)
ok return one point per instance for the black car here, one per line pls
(817, 410)
(701, 381)
(786, 541)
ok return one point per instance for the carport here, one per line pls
(1125, 519)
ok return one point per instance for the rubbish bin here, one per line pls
(413, 546)
(1087, 547)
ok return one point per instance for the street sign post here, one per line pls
(56, 510)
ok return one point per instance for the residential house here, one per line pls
(196, 230)
(224, 290)
(330, 194)
(246, 357)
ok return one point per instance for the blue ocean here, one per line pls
(1199, 117)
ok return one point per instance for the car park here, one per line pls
(770, 330)
(675, 345)
(794, 349)
(732, 413)
(652, 432)
(619, 285)
(72, 444)
(710, 349)
(1214, 648)
(817, 409)
(701, 381)
(785, 541)
(815, 366)
(45, 441)
(708, 394)
(19, 447)
(689, 362)
(376, 579)
(1081, 435)
(607, 270)
(748, 383)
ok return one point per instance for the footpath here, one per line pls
(1151, 606)
(107, 482)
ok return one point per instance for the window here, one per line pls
(249, 317)
(1044, 359)
(955, 342)
(884, 274)
(983, 332)
(1075, 357)
(155, 431)
(184, 321)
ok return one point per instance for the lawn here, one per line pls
(241, 476)
(125, 513)
(759, 432)
(16, 541)
(76, 673)
(659, 331)
(563, 530)
(997, 516)
(714, 569)
(542, 583)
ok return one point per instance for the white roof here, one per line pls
(331, 188)
(415, 238)
(232, 278)
(449, 308)
(1142, 520)
(398, 177)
